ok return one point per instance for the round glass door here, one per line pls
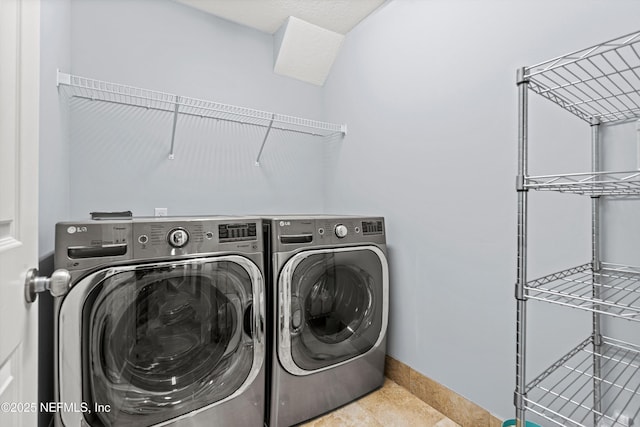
(162, 341)
(334, 308)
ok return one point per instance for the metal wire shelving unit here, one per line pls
(98, 90)
(588, 386)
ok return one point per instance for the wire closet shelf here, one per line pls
(92, 89)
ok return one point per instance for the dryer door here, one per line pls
(333, 307)
(160, 340)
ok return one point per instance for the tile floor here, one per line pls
(390, 406)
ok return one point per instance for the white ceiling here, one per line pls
(269, 15)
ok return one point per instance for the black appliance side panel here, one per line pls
(269, 315)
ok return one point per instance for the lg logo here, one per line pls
(72, 229)
(283, 223)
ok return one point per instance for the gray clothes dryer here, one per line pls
(328, 299)
(163, 322)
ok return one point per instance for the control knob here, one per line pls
(341, 230)
(178, 237)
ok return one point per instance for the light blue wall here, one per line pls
(55, 52)
(119, 155)
(428, 91)
(54, 194)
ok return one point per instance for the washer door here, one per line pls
(333, 307)
(165, 339)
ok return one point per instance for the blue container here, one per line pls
(510, 423)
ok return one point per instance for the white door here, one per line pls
(19, 87)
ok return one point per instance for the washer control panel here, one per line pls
(84, 245)
(173, 238)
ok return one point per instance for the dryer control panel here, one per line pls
(349, 230)
(290, 233)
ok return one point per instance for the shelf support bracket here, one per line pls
(173, 130)
(264, 141)
(62, 78)
(518, 400)
(520, 76)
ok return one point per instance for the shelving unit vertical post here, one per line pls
(521, 301)
(595, 261)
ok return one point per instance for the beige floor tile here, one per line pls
(352, 415)
(391, 406)
(446, 423)
(394, 406)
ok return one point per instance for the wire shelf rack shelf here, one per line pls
(617, 289)
(623, 183)
(564, 393)
(601, 81)
(98, 90)
(216, 110)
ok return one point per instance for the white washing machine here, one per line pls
(328, 299)
(162, 324)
